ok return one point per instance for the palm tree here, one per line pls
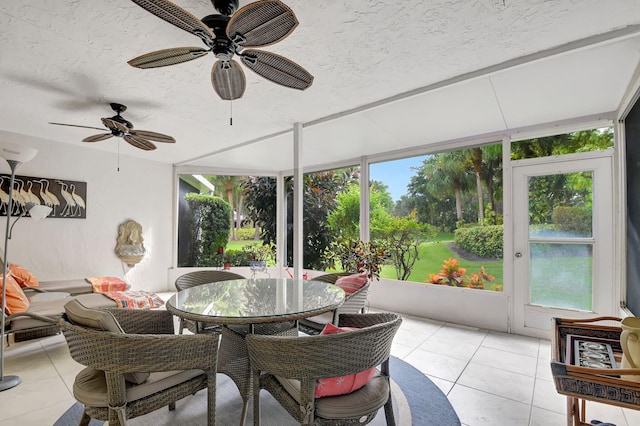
(475, 156)
(447, 174)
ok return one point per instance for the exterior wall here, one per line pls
(478, 308)
(78, 248)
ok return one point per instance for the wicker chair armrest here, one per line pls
(323, 356)
(144, 321)
(367, 320)
(355, 302)
(129, 353)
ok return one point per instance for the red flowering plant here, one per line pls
(478, 278)
(452, 274)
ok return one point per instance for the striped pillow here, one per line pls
(352, 283)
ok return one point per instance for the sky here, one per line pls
(396, 174)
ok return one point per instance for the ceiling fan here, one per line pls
(120, 127)
(230, 34)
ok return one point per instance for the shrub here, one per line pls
(245, 234)
(236, 257)
(575, 220)
(484, 241)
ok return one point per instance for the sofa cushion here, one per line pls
(55, 309)
(16, 301)
(73, 287)
(22, 275)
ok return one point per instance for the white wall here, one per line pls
(478, 308)
(78, 248)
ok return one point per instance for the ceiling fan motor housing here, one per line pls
(223, 48)
(226, 7)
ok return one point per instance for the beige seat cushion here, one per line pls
(90, 386)
(355, 404)
(322, 319)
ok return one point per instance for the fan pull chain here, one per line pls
(118, 154)
(230, 113)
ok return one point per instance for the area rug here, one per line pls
(416, 401)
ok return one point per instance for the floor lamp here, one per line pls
(15, 155)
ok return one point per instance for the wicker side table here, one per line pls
(580, 384)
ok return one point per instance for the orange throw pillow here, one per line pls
(17, 301)
(23, 276)
(342, 384)
(352, 283)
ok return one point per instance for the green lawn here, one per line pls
(433, 253)
(237, 245)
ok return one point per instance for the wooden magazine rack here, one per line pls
(615, 386)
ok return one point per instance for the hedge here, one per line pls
(484, 241)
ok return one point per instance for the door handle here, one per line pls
(518, 254)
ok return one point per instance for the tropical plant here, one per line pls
(358, 256)
(402, 236)
(478, 278)
(319, 195)
(260, 252)
(452, 274)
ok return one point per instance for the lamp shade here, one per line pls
(16, 152)
(39, 212)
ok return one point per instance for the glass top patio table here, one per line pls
(255, 301)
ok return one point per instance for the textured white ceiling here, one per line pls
(65, 60)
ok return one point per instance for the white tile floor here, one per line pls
(490, 378)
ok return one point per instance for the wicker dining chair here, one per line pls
(135, 363)
(289, 368)
(233, 359)
(353, 304)
(196, 278)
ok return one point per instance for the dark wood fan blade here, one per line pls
(277, 69)
(261, 23)
(114, 125)
(158, 137)
(97, 138)
(179, 17)
(138, 142)
(75, 125)
(162, 58)
(228, 80)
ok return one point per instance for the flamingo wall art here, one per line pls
(67, 198)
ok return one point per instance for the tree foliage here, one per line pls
(319, 194)
(401, 237)
(210, 225)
